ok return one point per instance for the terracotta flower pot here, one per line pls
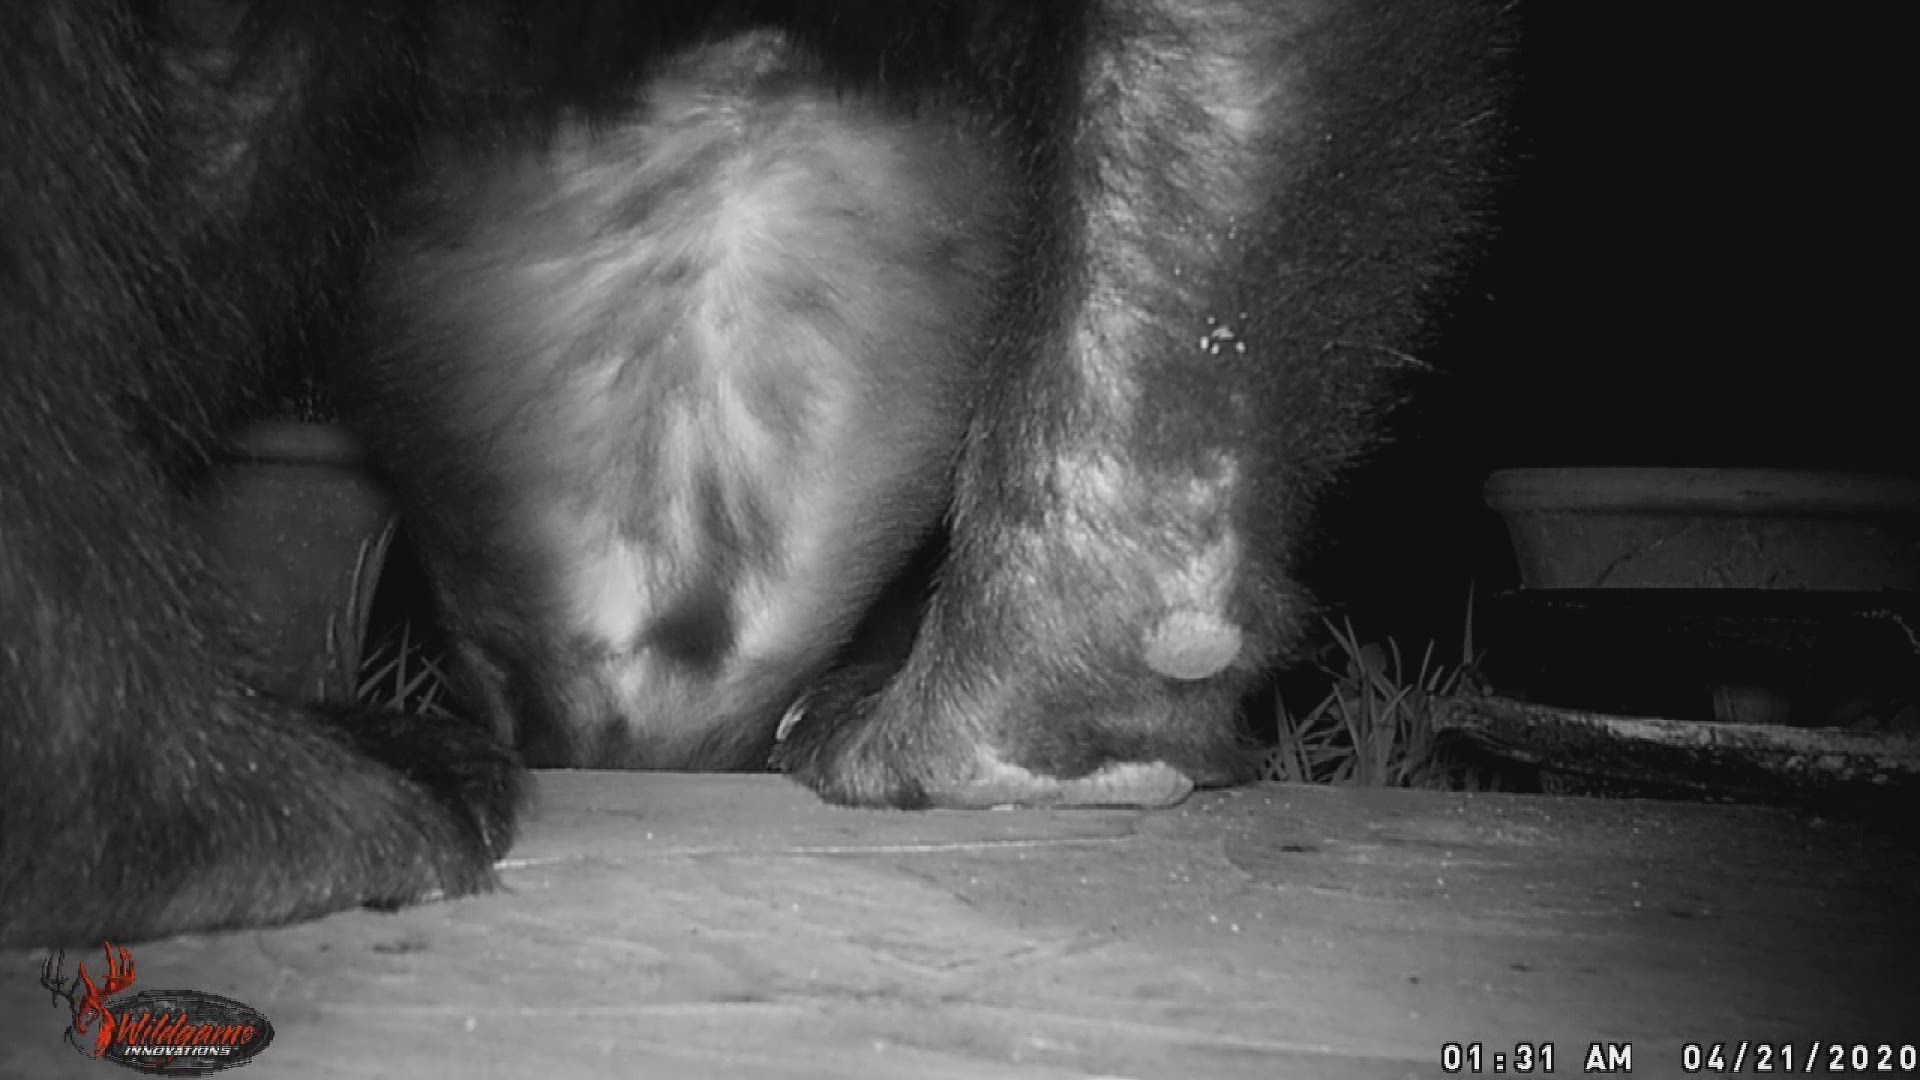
(1710, 528)
(302, 533)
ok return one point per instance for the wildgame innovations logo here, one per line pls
(163, 1032)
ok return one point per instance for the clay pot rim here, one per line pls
(296, 442)
(1701, 490)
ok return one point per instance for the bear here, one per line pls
(672, 391)
(682, 331)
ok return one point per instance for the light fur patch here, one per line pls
(1192, 637)
(1192, 645)
(610, 584)
(998, 783)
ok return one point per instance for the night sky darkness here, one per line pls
(1699, 264)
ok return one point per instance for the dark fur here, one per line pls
(145, 786)
(1321, 238)
(1132, 193)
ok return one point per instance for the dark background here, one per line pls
(1700, 261)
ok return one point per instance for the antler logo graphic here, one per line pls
(88, 999)
(162, 1032)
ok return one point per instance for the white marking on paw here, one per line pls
(1192, 645)
(998, 783)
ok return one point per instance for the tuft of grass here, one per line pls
(398, 674)
(1375, 727)
(347, 647)
(392, 673)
